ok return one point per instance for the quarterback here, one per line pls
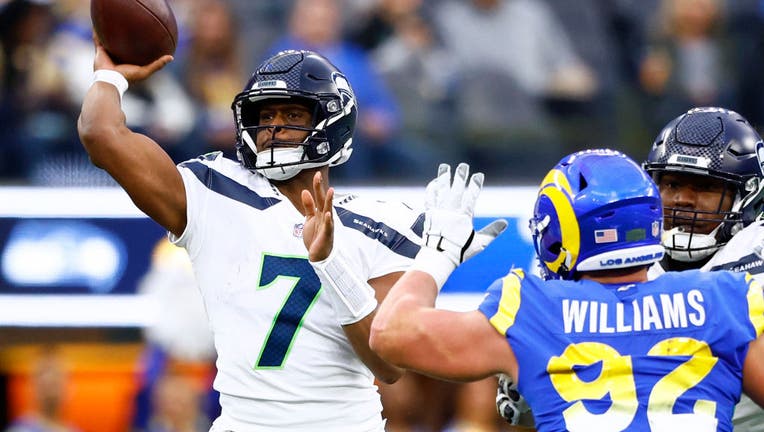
(292, 351)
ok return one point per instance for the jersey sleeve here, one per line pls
(739, 302)
(742, 253)
(502, 301)
(386, 233)
(755, 300)
(197, 195)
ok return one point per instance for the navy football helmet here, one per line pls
(304, 77)
(596, 210)
(717, 143)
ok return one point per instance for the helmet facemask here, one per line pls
(683, 238)
(308, 79)
(282, 159)
(686, 240)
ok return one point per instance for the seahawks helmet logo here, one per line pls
(760, 155)
(343, 87)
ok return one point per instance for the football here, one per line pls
(135, 31)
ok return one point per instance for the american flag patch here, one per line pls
(606, 236)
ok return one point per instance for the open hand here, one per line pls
(318, 231)
(449, 207)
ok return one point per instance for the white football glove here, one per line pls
(449, 237)
(509, 402)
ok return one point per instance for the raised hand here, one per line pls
(318, 231)
(449, 207)
(448, 230)
(133, 73)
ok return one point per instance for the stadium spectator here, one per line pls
(374, 24)
(36, 115)
(688, 61)
(177, 402)
(49, 378)
(511, 56)
(317, 25)
(179, 343)
(211, 70)
(421, 75)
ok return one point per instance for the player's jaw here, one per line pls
(691, 220)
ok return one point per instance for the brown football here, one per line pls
(135, 31)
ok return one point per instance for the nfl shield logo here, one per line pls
(297, 230)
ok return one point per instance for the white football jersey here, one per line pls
(284, 363)
(742, 253)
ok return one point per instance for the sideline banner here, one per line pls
(74, 257)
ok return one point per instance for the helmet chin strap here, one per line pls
(281, 156)
(277, 156)
(288, 161)
(685, 247)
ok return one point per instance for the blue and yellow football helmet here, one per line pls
(596, 210)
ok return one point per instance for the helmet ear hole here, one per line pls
(582, 183)
(555, 248)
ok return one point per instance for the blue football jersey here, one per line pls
(660, 355)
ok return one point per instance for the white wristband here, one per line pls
(434, 263)
(112, 77)
(351, 296)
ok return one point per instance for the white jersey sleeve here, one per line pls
(742, 253)
(391, 232)
(284, 363)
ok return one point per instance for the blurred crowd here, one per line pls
(508, 85)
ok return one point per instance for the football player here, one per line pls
(292, 348)
(707, 164)
(595, 345)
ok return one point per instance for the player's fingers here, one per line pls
(440, 185)
(471, 194)
(328, 201)
(307, 203)
(457, 188)
(318, 192)
(328, 226)
(159, 63)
